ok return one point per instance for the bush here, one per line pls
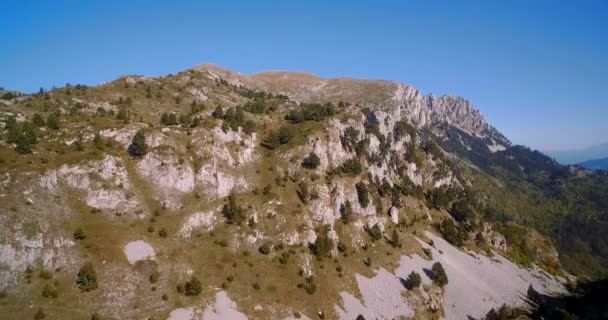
(374, 232)
(99, 142)
(395, 241)
(277, 138)
(193, 287)
(311, 112)
(413, 280)
(168, 119)
(402, 128)
(310, 287)
(351, 167)
(122, 114)
(453, 233)
(52, 121)
(312, 161)
(49, 291)
(232, 212)
(22, 135)
(138, 144)
(323, 244)
(87, 277)
(40, 314)
(79, 234)
(350, 138)
(346, 212)
(440, 278)
(362, 194)
(154, 277)
(264, 249)
(249, 127)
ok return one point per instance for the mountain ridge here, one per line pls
(305, 193)
(422, 110)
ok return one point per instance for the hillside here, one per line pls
(596, 164)
(212, 194)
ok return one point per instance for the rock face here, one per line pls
(397, 99)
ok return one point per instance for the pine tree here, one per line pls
(138, 145)
(312, 161)
(52, 121)
(395, 241)
(439, 276)
(413, 280)
(98, 142)
(346, 212)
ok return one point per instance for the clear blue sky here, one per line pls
(538, 70)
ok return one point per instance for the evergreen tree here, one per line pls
(439, 276)
(413, 280)
(362, 193)
(98, 142)
(52, 121)
(395, 241)
(346, 212)
(138, 145)
(312, 161)
(123, 114)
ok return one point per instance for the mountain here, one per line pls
(579, 155)
(597, 164)
(211, 194)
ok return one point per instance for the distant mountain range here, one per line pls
(597, 164)
(577, 156)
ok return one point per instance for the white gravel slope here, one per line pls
(476, 284)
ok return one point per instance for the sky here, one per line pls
(536, 69)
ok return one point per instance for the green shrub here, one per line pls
(362, 193)
(168, 118)
(454, 234)
(87, 277)
(122, 114)
(277, 138)
(40, 314)
(346, 212)
(138, 144)
(233, 212)
(439, 276)
(323, 244)
(351, 167)
(193, 287)
(264, 249)
(311, 112)
(99, 142)
(49, 291)
(395, 241)
(374, 232)
(52, 121)
(79, 234)
(402, 127)
(312, 161)
(154, 277)
(413, 280)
